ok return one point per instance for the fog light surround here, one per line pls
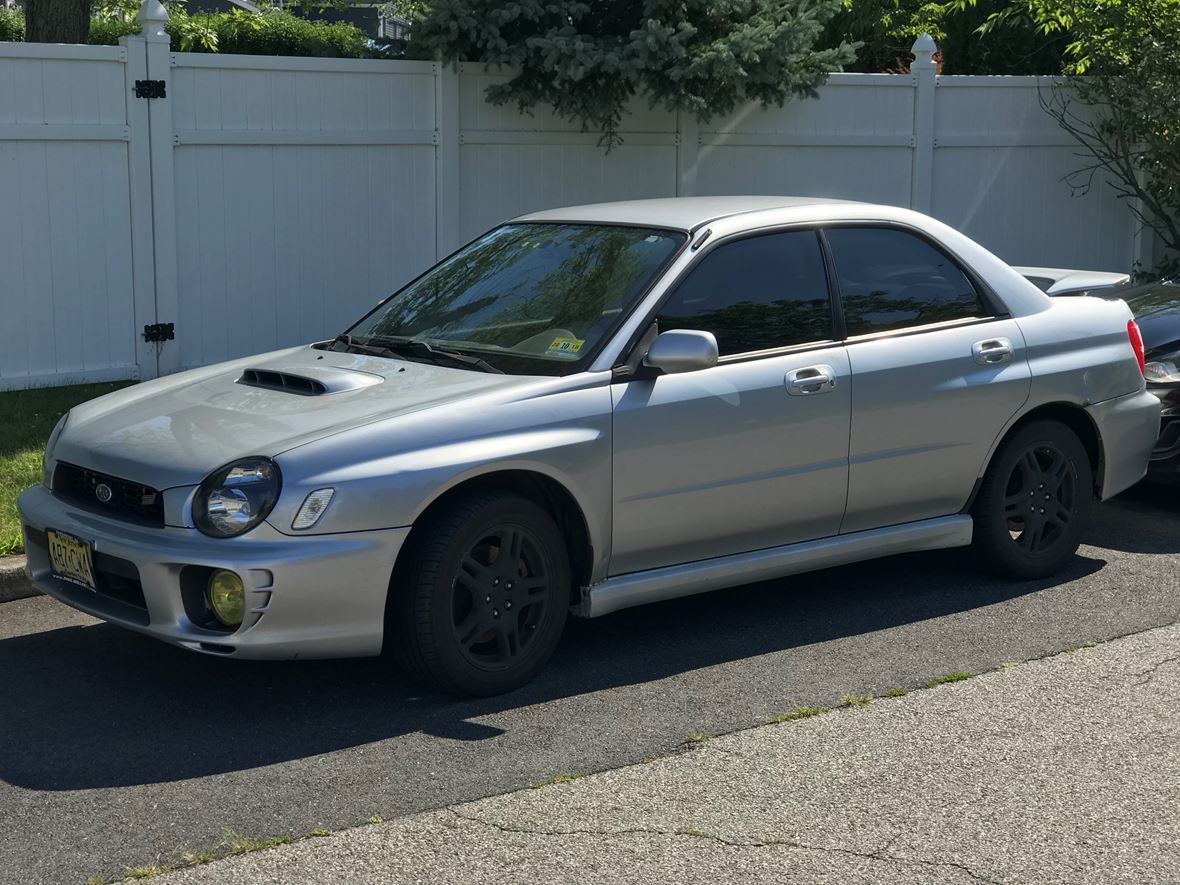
(313, 508)
(227, 597)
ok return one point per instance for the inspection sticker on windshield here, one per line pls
(566, 347)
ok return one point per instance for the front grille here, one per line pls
(128, 500)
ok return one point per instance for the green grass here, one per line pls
(857, 700)
(799, 713)
(957, 676)
(895, 693)
(27, 418)
(236, 843)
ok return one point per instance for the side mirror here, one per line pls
(682, 350)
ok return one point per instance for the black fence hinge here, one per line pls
(150, 89)
(160, 332)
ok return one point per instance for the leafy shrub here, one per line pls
(270, 33)
(12, 25)
(106, 32)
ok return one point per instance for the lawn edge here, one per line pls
(14, 579)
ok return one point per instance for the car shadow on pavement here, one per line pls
(96, 706)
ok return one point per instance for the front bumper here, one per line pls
(1165, 457)
(310, 596)
(1128, 427)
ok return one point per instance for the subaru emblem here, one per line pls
(102, 491)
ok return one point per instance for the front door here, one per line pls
(749, 454)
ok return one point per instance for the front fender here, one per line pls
(387, 473)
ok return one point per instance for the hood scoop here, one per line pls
(307, 380)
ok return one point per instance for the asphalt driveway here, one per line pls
(116, 750)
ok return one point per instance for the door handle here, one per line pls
(810, 380)
(992, 351)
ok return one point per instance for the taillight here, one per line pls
(1136, 343)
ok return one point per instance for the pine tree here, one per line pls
(588, 58)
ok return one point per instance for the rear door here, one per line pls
(937, 371)
(749, 454)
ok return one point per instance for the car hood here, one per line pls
(175, 430)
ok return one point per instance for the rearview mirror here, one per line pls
(682, 350)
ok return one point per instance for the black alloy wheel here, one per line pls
(500, 593)
(1039, 498)
(482, 600)
(1034, 503)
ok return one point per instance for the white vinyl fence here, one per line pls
(263, 201)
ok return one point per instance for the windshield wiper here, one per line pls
(415, 349)
(433, 353)
(351, 344)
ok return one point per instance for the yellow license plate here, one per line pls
(71, 559)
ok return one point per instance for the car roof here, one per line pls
(679, 213)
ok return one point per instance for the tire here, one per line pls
(462, 620)
(1034, 503)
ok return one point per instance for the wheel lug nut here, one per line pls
(508, 585)
(488, 599)
(1042, 510)
(495, 582)
(495, 613)
(1046, 497)
(508, 604)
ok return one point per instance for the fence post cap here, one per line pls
(152, 12)
(924, 45)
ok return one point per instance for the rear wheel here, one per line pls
(483, 603)
(1034, 502)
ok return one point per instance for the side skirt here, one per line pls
(669, 582)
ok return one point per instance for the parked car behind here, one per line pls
(592, 408)
(1156, 306)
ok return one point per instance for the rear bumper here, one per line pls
(1129, 427)
(311, 596)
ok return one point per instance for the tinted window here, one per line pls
(756, 294)
(890, 279)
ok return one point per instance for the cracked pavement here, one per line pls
(1060, 770)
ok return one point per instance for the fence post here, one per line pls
(924, 70)
(139, 177)
(446, 158)
(153, 17)
(688, 149)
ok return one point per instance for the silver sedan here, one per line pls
(591, 408)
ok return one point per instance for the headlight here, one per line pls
(236, 497)
(47, 455)
(1164, 370)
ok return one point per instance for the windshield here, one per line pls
(525, 298)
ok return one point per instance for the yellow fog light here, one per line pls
(227, 597)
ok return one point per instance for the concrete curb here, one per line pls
(14, 583)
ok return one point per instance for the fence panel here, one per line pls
(853, 142)
(510, 164)
(304, 193)
(278, 198)
(999, 161)
(66, 293)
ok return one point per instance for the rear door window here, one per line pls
(893, 279)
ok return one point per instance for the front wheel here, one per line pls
(483, 602)
(1034, 503)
